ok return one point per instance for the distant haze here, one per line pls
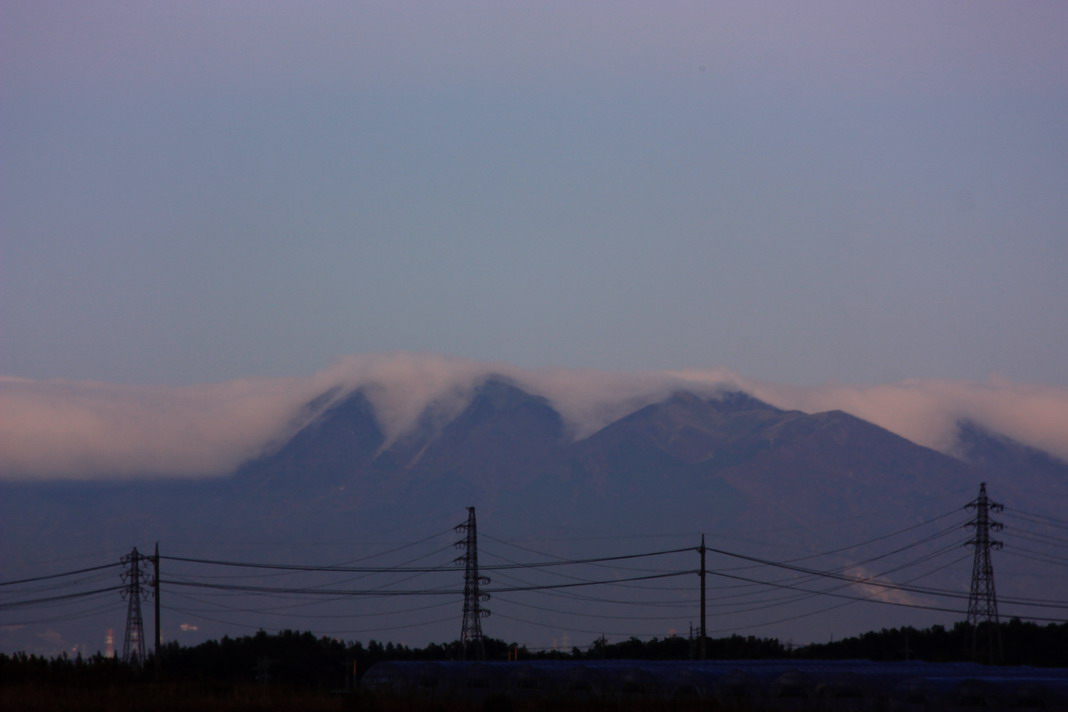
(92, 430)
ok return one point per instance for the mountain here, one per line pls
(750, 476)
(687, 458)
(1031, 470)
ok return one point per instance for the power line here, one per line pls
(1043, 518)
(869, 598)
(410, 592)
(314, 586)
(923, 590)
(61, 597)
(417, 569)
(804, 579)
(600, 599)
(276, 610)
(60, 575)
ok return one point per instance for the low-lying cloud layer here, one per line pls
(927, 412)
(90, 430)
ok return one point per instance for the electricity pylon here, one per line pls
(983, 602)
(133, 646)
(471, 634)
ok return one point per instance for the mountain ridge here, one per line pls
(719, 465)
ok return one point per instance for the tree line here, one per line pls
(302, 659)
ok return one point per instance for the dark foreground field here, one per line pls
(166, 697)
(172, 697)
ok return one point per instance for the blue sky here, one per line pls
(803, 193)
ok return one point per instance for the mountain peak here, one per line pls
(677, 460)
(500, 393)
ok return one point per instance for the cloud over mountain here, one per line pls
(929, 411)
(86, 430)
(90, 430)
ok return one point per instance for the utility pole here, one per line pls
(983, 602)
(155, 595)
(701, 647)
(133, 646)
(471, 634)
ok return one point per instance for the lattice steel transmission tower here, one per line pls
(983, 602)
(471, 635)
(133, 646)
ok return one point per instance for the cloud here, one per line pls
(402, 385)
(927, 411)
(91, 430)
(879, 588)
(98, 430)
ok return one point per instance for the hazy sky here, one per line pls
(802, 192)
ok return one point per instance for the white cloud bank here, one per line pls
(90, 430)
(927, 411)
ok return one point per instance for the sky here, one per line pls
(211, 212)
(821, 195)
